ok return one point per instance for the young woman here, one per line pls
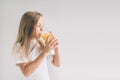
(31, 51)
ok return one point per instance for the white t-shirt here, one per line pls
(41, 73)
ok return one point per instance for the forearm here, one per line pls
(32, 66)
(56, 59)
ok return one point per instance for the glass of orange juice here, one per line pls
(47, 34)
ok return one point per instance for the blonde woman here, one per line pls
(31, 51)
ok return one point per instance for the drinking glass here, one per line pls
(47, 34)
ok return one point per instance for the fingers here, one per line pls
(54, 43)
(51, 45)
(52, 34)
(50, 37)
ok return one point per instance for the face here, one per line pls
(38, 28)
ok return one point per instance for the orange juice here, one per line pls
(45, 36)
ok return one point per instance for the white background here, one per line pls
(88, 32)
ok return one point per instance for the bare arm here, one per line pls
(28, 68)
(56, 58)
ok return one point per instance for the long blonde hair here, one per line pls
(28, 20)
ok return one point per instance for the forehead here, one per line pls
(40, 21)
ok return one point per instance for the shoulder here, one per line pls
(17, 48)
(17, 45)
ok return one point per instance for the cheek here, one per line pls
(38, 31)
(35, 32)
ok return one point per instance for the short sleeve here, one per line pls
(19, 57)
